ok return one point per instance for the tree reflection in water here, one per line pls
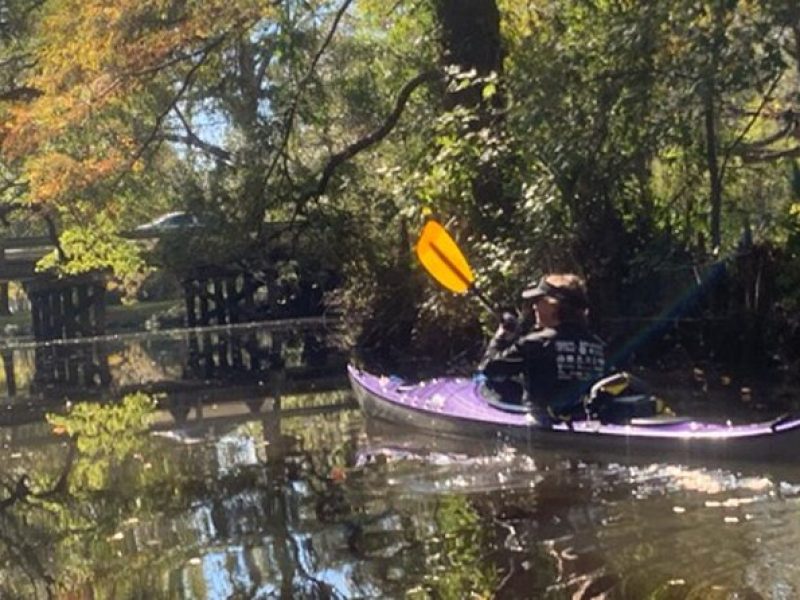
(289, 495)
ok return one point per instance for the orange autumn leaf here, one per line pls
(102, 68)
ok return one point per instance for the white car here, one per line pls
(170, 222)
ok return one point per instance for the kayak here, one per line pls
(459, 407)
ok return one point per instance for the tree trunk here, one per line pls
(710, 114)
(471, 40)
(712, 160)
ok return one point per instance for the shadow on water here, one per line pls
(256, 476)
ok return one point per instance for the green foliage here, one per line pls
(457, 568)
(608, 138)
(460, 147)
(93, 424)
(97, 246)
(121, 511)
(105, 435)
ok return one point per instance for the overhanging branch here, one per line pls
(370, 139)
(768, 156)
(292, 110)
(192, 139)
(185, 84)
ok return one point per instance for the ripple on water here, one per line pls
(703, 533)
(657, 530)
(434, 473)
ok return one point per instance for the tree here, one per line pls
(472, 50)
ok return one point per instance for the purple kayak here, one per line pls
(456, 407)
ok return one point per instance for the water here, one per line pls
(262, 482)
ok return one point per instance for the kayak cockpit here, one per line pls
(617, 399)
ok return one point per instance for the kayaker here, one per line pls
(551, 368)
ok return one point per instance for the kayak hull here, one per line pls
(455, 407)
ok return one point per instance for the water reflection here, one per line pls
(270, 484)
(311, 507)
(576, 529)
(186, 367)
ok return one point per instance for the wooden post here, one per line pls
(99, 308)
(5, 308)
(36, 315)
(73, 359)
(203, 286)
(208, 355)
(70, 312)
(232, 299)
(236, 351)
(222, 347)
(219, 300)
(84, 316)
(190, 294)
(8, 367)
(53, 316)
(99, 354)
(248, 291)
(193, 362)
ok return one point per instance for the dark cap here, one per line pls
(541, 288)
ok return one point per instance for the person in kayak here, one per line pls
(551, 368)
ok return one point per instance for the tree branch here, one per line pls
(22, 93)
(292, 111)
(6, 210)
(764, 100)
(767, 156)
(371, 138)
(52, 233)
(18, 493)
(784, 132)
(192, 139)
(60, 486)
(187, 81)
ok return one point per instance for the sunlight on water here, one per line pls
(444, 473)
(236, 451)
(256, 497)
(660, 477)
(634, 529)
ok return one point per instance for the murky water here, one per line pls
(257, 477)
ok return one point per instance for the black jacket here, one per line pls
(556, 366)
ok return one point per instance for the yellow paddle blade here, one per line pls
(442, 258)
